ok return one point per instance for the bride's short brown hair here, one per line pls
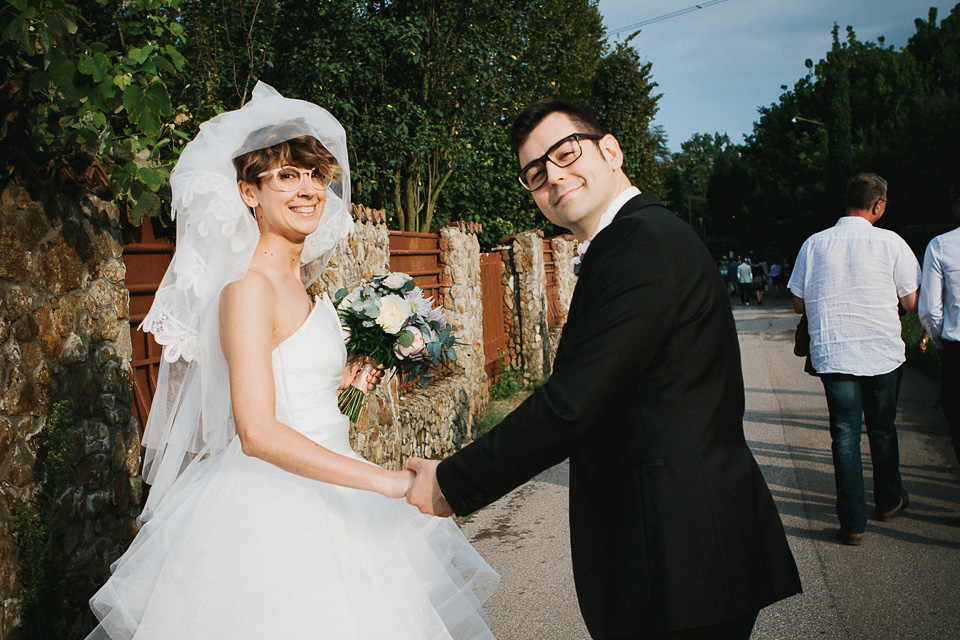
(305, 152)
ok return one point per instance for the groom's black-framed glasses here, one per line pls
(563, 154)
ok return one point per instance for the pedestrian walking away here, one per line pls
(940, 314)
(849, 280)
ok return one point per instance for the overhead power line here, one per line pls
(666, 16)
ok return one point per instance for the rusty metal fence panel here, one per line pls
(146, 258)
(494, 329)
(418, 255)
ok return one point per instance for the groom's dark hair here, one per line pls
(535, 113)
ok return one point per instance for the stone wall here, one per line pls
(440, 418)
(564, 250)
(532, 345)
(435, 421)
(527, 283)
(377, 435)
(64, 335)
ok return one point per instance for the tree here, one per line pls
(92, 86)
(624, 102)
(864, 107)
(688, 176)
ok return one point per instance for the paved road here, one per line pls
(904, 582)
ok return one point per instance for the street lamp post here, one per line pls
(817, 122)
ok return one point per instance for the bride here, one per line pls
(261, 521)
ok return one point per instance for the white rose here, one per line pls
(396, 280)
(394, 313)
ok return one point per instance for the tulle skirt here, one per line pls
(241, 549)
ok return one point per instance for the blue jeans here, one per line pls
(873, 398)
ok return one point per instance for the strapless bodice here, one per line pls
(307, 368)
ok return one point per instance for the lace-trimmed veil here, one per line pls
(190, 418)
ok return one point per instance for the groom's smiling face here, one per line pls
(575, 196)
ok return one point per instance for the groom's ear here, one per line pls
(611, 151)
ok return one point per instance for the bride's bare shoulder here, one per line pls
(254, 290)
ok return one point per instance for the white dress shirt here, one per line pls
(939, 305)
(851, 277)
(625, 196)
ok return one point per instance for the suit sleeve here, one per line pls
(620, 319)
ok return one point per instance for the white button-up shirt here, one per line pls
(939, 293)
(625, 196)
(851, 277)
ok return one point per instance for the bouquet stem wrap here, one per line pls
(350, 400)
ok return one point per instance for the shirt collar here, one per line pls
(609, 215)
(853, 220)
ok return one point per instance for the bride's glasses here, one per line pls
(290, 178)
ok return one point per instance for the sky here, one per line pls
(717, 65)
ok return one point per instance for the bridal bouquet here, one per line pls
(387, 318)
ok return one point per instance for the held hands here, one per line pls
(397, 484)
(418, 483)
(353, 369)
(425, 493)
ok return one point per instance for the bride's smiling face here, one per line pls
(294, 214)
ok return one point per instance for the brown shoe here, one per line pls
(893, 513)
(853, 539)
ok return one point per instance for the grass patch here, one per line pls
(491, 417)
(926, 363)
(506, 382)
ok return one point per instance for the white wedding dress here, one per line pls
(241, 549)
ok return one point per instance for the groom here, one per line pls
(673, 531)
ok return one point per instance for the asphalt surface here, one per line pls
(903, 582)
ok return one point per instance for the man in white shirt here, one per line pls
(849, 279)
(745, 278)
(940, 315)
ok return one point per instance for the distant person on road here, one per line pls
(759, 282)
(734, 287)
(745, 278)
(849, 279)
(940, 314)
(775, 278)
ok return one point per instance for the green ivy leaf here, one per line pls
(144, 107)
(59, 22)
(18, 29)
(147, 204)
(153, 178)
(140, 54)
(175, 57)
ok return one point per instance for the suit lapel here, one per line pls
(633, 206)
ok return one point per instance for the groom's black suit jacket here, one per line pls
(671, 523)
